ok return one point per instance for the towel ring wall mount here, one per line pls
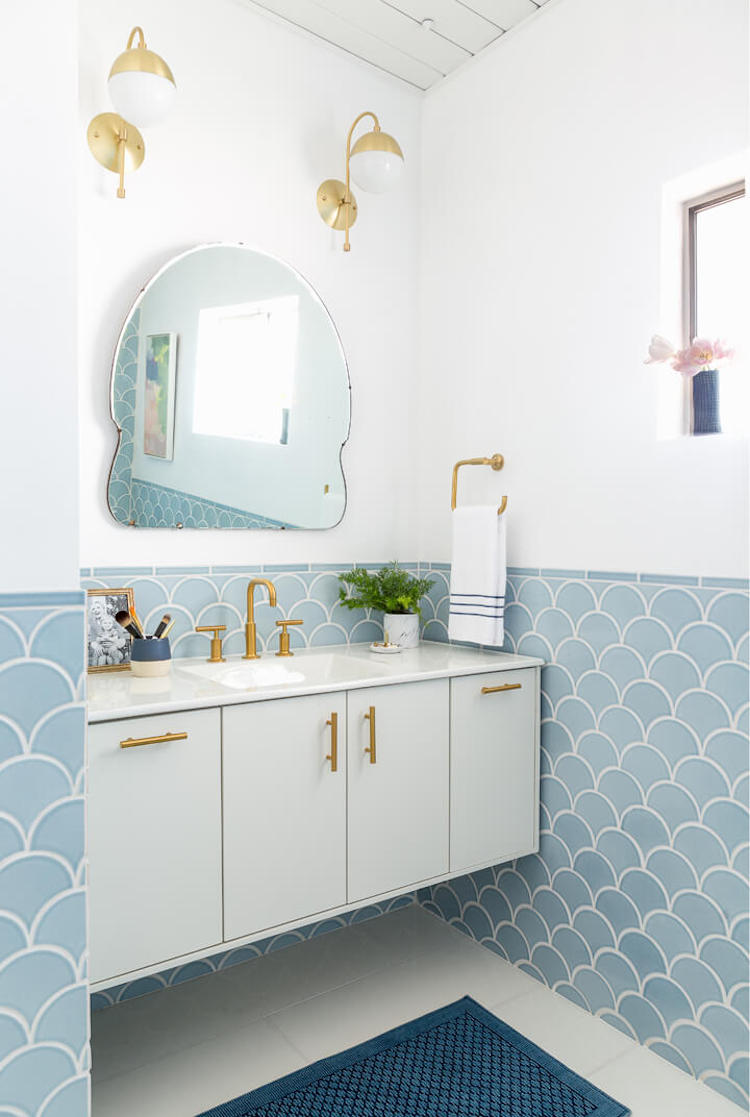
(496, 462)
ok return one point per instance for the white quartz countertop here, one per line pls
(195, 684)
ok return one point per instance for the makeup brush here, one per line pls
(137, 620)
(159, 630)
(167, 630)
(125, 619)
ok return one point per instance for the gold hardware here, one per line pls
(117, 145)
(371, 749)
(133, 742)
(497, 461)
(284, 639)
(139, 58)
(251, 644)
(333, 755)
(216, 648)
(336, 203)
(496, 689)
(112, 140)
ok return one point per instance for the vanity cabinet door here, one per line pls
(398, 797)
(284, 811)
(154, 840)
(494, 767)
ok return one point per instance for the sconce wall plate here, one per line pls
(105, 141)
(331, 198)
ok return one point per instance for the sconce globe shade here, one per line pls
(141, 86)
(376, 162)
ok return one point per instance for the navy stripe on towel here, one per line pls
(484, 616)
(489, 596)
(476, 605)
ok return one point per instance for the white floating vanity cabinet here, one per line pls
(254, 816)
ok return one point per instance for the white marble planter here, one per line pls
(402, 628)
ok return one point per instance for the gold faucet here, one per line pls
(250, 637)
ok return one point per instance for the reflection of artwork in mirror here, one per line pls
(253, 437)
(158, 404)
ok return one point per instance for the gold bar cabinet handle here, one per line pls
(371, 749)
(496, 689)
(133, 742)
(333, 755)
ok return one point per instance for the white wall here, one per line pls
(544, 163)
(260, 120)
(38, 401)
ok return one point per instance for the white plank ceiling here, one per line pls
(418, 40)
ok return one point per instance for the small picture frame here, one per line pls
(159, 396)
(107, 642)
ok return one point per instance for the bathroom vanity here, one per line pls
(232, 801)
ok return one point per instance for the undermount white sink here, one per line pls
(273, 671)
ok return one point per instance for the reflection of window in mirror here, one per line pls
(716, 291)
(244, 382)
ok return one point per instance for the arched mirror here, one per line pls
(231, 396)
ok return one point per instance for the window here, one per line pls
(247, 355)
(716, 290)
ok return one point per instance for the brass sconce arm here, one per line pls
(348, 199)
(336, 202)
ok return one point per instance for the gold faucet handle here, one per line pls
(216, 648)
(284, 640)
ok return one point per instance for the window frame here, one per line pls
(692, 208)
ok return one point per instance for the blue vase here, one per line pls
(706, 402)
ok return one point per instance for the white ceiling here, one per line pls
(390, 33)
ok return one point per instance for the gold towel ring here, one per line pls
(496, 462)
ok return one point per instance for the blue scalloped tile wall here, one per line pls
(636, 906)
(123, 409)
(158, 506)
(44, 1051)
(217, 595)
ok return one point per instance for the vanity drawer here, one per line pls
(154, 839)
(494, 767)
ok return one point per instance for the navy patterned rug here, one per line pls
(460, 1061)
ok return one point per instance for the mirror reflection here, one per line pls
(230, 392)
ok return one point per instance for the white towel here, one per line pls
(477, 595)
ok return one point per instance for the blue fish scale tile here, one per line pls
(646, 772)
(42, 899)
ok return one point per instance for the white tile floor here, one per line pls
(191, 1047)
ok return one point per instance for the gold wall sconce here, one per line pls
(141, 87)
(375, 163)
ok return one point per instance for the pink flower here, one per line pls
(722, 352)
(700, 355)
(659, 350)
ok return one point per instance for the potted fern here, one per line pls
(395, 592)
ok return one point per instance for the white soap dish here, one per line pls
(385, 649)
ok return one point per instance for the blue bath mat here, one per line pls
(460, 1061)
